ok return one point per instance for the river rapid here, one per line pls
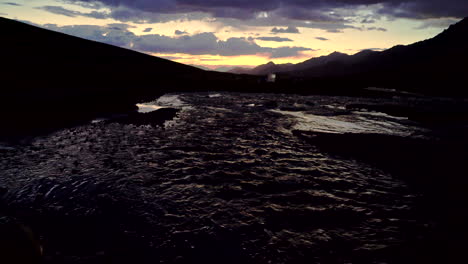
(227, 180)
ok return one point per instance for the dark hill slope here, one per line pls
(433, 66)
(53, 79)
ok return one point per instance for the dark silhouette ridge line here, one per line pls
(431, 66)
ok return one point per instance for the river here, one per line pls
(225, 181)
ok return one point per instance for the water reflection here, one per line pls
(148, 107)
(223, 183)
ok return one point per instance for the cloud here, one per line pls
(335, 30)
(172, 57)
(147, 29)
(131, 15)
(283, 52)
(198, 44)
(377, 29)
(273, 20)
(313, 10)
(367, 21)
(91, 4)
(437, 23)
(179, 32)
(372, 49)
(208, 44)
(276, 39)
(424, 9)
(125, 14)
(238, 13)
(119, 26)
(58, 10)
(320, 38)
(11, 3)
(107, 34)
(289, 29)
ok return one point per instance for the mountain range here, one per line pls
(431, 66)
(271, 67)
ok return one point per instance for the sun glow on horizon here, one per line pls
(215, 61)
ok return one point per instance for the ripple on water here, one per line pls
(222, 184)
(353, 122)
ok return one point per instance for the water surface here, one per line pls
(226, 181)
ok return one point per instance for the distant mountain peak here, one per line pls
(336, 53)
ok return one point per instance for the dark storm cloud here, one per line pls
(316, 10)
(282, 24)
(289, 29)
(125, 14)
(308, 14)
(199, 44)
(236, 13)
(133, 15)
(425, 9)
(122, 14)
(276, 39)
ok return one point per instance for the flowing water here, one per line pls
(225, 181)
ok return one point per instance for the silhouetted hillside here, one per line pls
(52, 79)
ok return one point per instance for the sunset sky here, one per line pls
(219, 34)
